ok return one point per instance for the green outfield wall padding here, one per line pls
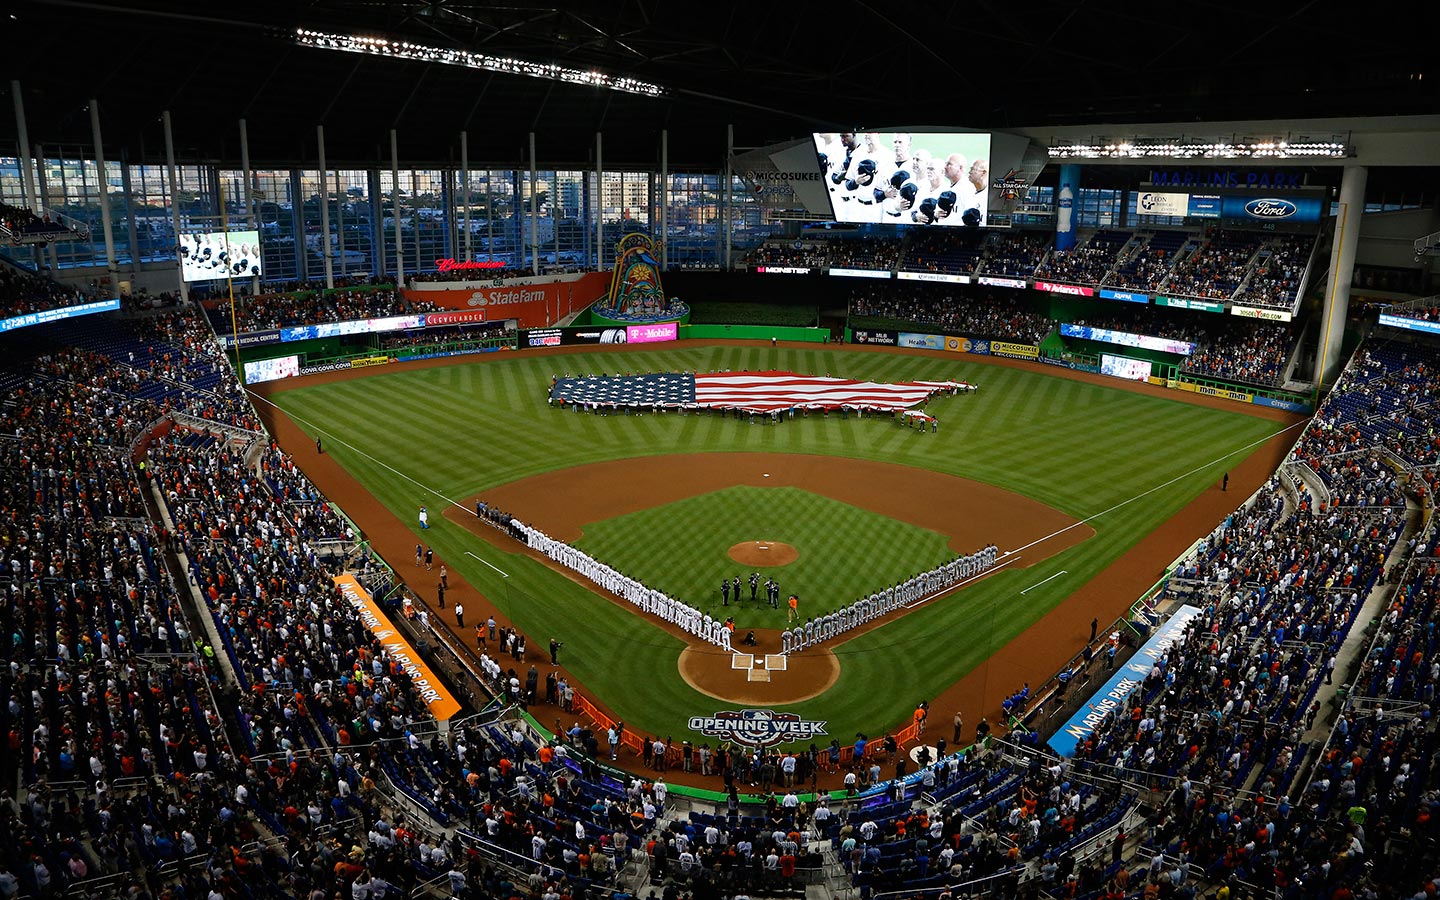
(754, 333)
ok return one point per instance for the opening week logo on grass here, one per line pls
(758, 728)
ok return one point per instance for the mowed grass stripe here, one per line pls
(1083, 449)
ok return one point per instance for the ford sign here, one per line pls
(1270, 208)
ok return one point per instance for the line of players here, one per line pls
(732, 586)
(903, 186)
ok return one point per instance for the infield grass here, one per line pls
(682, 548)
(423, 436)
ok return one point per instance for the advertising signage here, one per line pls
(1253, 209)
(1188, 303)
(1169, 203)
(783, 270)
(1203, 206)
(648, 334)
(566, 337)
(1127, 679)
(1127, 296)
(939, 277)
(861, 273)
(1125, 338)
(1269, 315)
(868, 336)
(1073, 290)
(991, 281)
(922, 341)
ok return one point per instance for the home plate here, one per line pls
(742, 661)
(758, 675)
(775, 662)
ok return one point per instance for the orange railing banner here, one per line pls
(442, 705)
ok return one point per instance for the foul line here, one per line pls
(386, 465)
(1181, 476)
(503, 573)
(1051, 578)
(344, 443)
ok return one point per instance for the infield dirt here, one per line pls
(1031, 657)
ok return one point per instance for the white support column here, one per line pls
(465, 189)
(729, 194)
(174, 177)
(248, 198)
(27, 171)
(664, 199)
(131, 234)
(395, 202)
(43, 191)
(1342, 269)
(341, 196)
(324, 210)
(104, 200)
(534, 211)
(599, 208)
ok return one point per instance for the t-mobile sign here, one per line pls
(647, 334)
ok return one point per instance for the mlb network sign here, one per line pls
(757, 728)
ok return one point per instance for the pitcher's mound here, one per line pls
(763, 553)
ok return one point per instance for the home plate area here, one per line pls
(758, 669)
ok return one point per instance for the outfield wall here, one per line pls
(1080, 362)
(754, 333)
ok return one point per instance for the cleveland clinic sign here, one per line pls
(757, 728)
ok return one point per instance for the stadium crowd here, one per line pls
(809, 254)
(1216, 268)
(272, 762)
(1016, 254)
(951, 252)
(22, 292)
(1276, 278)
(281, 310)
(22, 223)
(134, 780)
(1001, 317)
(1253, 352)
(1087, 264)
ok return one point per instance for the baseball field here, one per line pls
(1093, 481)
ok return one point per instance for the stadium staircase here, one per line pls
(1136, 245)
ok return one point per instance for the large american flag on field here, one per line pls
(756, 391)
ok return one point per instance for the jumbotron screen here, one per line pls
(907, 178)
(205, 257)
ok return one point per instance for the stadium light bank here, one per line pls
(373, 46)
(1269, 148)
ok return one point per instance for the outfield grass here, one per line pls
(419, 436)
(827, 575)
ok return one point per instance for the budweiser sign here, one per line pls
(455, 265)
